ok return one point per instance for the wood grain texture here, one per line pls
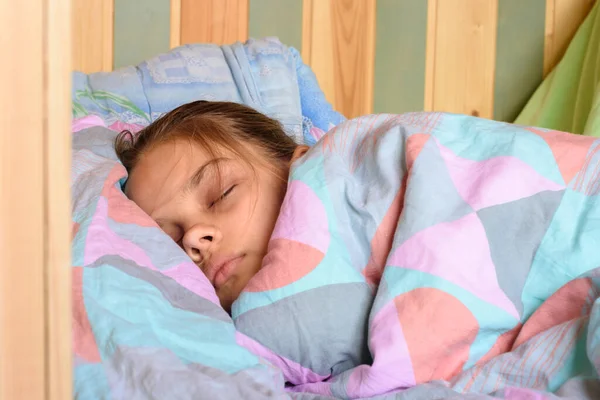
(93, 35)
(461, 56)
(175, 24)
(563, 17)
(307, 28)
(57, 198)
(35, 312)
(341, 51)
(214, 21)
(22, 336)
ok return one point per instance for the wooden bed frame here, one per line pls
(35, 212)
(339, 40)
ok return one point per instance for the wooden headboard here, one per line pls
(468, 56)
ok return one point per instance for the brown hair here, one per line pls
(212, 124)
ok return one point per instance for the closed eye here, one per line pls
(222, 196)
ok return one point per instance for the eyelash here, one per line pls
(222, 197)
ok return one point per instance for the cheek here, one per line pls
(270, 205)
(254, 216)
(264, 204)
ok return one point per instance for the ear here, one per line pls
(299, 152)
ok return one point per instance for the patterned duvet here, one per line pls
(417, 256)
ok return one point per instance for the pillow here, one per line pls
(146, 321)
(262, 74)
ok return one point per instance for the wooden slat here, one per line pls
(108, 18)
(214, 21)
(57, 210)
(93, 35)
(307, 28)
(35, 313)
(175, 36)
(318, 50)
(341, 51)
(461, 55)
(563, 17)
(22, 338)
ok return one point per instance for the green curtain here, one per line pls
(569, 98)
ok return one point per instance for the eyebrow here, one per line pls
(200, 173)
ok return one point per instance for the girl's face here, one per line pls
(218, 209)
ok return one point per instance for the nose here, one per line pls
(200, 241)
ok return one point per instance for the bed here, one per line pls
(350, 79)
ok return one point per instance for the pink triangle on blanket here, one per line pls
(457, 251)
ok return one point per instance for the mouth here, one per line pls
(225, 270)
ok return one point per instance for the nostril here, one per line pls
(197, 256)
(208, 238)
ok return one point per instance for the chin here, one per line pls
(226, 304)
(229, 292)
(227, 297)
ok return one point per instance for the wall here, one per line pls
(479, 57)
(141, 30)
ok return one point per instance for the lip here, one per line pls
(224, 270)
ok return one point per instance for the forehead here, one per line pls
(162, 171)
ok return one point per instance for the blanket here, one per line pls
(416, 256)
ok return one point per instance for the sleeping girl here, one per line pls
(213, 176)
(423, 243)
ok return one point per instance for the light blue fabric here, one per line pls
(261, 73)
